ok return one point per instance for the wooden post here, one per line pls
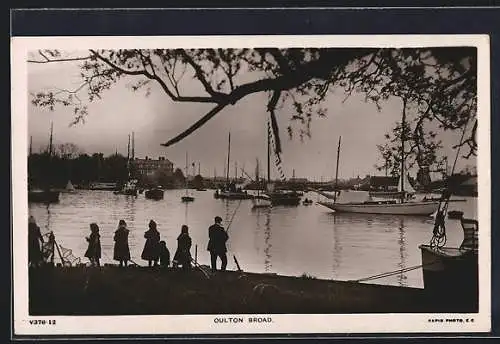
(237, 264)
(195, 254)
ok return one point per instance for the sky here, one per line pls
(155, 119)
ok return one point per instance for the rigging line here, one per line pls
(232, 217)
(439, 233)
(394, 272)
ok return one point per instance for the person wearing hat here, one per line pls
(183, 254)
(93, 252)
(217, 244)
(34, 239)
(152, 246)
(121, 251)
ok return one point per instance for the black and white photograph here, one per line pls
(253, 184)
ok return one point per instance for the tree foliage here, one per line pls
(438, 83)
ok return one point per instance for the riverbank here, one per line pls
(112, 290)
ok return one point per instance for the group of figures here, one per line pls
(155, 251)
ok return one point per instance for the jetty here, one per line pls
(111, 290)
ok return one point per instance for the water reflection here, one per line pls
(267, 242)
(337, 249)
(284, 240)
(402, 279)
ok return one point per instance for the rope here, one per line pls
(227, 231)
(391, 273)
(438, 239)
(277, 158)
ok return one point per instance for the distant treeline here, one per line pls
(55, 171)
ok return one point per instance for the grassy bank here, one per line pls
(114, 291)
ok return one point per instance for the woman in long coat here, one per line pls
(183, 255)
(34, 239)
(93, 252)
(152, 246)
(121, 251)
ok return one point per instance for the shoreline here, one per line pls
(111, 290)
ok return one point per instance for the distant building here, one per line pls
(148, 166)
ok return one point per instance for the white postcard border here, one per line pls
(206, 324)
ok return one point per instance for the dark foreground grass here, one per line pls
(133, 291)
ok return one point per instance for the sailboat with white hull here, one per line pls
(364, 204)
(187, 197)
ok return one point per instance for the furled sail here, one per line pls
(406, 186)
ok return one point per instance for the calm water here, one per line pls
(284, 240)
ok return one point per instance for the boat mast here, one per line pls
(403, 120)
(133, 146)
(186, 177)
(50, 139)
(228, 156)
(268, 153)
(337, 171)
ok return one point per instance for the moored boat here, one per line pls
(129, 189)
(280, 197)
(361, 202)
(69, 188)
(445, 268)
(43, 196)
(187, 199)
(307, 202)
(385, 207)
(261, 201)
(154, 193)
(228, 194)
(103, 186)
(455, 214)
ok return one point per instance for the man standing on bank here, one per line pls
(217, 244)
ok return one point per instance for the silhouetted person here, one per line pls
(48, 252)
(93, 252)
(35, 239)
(121, 250)
(151, 247)
(164, 255)
(217, 244)
(183, 255)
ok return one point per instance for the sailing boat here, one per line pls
(231, 191)
(361, 202)
(130, 186)
(260, 201)
(69, 187)
(46, 194)
(278, 197)
(187, 197)
(396, 193)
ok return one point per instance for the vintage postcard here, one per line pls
(251, 184)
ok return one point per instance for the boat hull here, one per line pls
(232, 195)
(49, 196)
(448, 269)
(420, 208)
(155, 194)
(187, 199)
